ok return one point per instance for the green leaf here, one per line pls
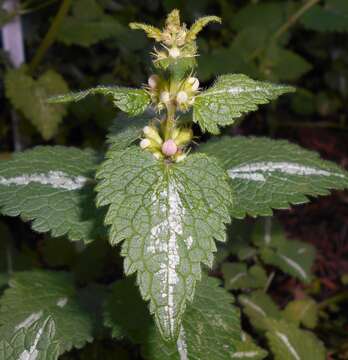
(199, 25)
(168, 215)
(209, 330)
(285, 65)
(287, 342)
(237, 276)
(53, 187)
(272, 174)
(88, 24)
(259, 307)
(248, 350)
(151, 31)
(125, 131)
(131, 101)
(28, 96)
(40, 309)
(34, 342)
(333, 16)
(230, 97)
(293, 257)
(124, 310)
(304, 311)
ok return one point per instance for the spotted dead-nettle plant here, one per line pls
(164, 199)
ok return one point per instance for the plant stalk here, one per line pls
(293, 19)
(50, 35)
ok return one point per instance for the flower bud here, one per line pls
(181, 38)
(165, 96)
(153, 81)
(181, 97)
(174, 52)
(158, 155)
(145, 143)
(169, 148)
(151, 133)
(180, 157)
(194, 82)
(184, 137)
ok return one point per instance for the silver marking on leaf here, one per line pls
(295, 266)
(27, 322)
(56, 179)
(257, 171)
(182, 345)
(32, 353)
(286, 342)
(235, 90)
(244, 354)
(62, 302)
(248, 302)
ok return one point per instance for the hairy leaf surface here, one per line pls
(131, 101)
(40, 313)
(52, 186)
(168, 215)
(231, 97)
(270, 174)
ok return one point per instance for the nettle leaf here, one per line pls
(168, 215)
(52, 186)
(285, 65)
(28, 96)
(40, 313)
(259, 307)
(88, 24)
(34, 342)
(210, 328)
(131, 101)
(199, 24)
(238, 276)
(333, 16)
(304, 311)
(231, 97)
(288, 342)
(248, 350)
(293, 257)
(272, 174)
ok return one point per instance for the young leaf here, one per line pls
(43, 308)
(210, 328)
(330, 17)
(287, 342)
(199, 25)
(151, 31)
(53, 187)
(29, 95)
(259, 307)
(168, 215)
(230, 97)
(131, 101)
(304, 311)
(248, 350)
(293, 257)
(237, 276)
(272, 174)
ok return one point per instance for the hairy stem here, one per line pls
(170, 120)
(51, 35)
(293, 19)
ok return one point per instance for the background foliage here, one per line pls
(267, 40)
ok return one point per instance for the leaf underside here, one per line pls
(231, 97)
(52, 186)
(168, 215)
(270, 174)
(131, 101)
(41, 316)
